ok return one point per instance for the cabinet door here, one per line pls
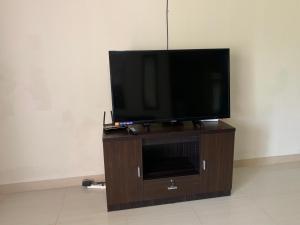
(217, 161)
(122, 171)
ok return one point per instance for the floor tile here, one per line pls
(31, 208)
(80, 202)
(230, 211)
(166, 209)
(293, 220)
(237, 218)
(244, 181)
(93, 219)
(179, 218)
(284, 209)
(227, 205)
(266, 195)
(88, 207)
(1, 197)
(266, 180)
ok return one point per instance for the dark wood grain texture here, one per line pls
(123, 154)
(166, 200)
(185, 185)
(217, 151)
(158, 130)
(121, 161)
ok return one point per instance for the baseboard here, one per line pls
(76, 181)
(46, 184)
(267, 160)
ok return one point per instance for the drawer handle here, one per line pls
(204, 165)
(139, 172)
(172, 187)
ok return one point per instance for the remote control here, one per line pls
(132, 131)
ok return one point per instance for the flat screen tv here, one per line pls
(168, 85)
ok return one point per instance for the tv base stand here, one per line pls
(173, 123)
(197, 123)
(147, 126)
(168, 164)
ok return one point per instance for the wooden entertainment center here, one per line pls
(165, 164)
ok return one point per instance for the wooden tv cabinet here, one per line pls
(168, 164)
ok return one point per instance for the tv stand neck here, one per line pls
(201, 123)
(147, 126)
(197, 123)
(173, 123)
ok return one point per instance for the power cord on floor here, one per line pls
(91, 184)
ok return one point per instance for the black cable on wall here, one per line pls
(167, 23)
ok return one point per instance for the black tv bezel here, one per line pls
(181, 119)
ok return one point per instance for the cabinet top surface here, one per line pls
(159, 129)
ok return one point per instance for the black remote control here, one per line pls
(131, 130)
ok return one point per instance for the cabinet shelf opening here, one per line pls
(170, 159)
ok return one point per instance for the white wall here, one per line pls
(54, 79)
(264, 37)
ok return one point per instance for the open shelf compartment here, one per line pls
(170, 157)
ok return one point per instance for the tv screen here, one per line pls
(166, 85)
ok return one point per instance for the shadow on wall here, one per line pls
(8, 86)
(252, 138)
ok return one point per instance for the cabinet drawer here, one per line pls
(172, 187)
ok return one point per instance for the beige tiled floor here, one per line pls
(268, 195)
